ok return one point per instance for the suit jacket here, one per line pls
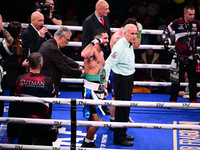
(91, 24)
(31, 40)
(55, 63)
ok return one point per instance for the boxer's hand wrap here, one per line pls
(95, 41)
(139, 35)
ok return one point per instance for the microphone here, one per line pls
(48, 33)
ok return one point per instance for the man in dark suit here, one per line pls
(34, 35)
(55, 63)
(98, 19)
(94, 22)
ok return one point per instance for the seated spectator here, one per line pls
(140, 8)
(69, 18)
(185, 93)
(150, 57)
(34, 84)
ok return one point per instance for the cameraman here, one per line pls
(49, 14)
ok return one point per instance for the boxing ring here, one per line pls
(74, 104)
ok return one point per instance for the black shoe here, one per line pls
(123, 143)
(129, 138)
(112, 128)
(91, 144)
(106, 111)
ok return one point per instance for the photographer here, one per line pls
(47, 8)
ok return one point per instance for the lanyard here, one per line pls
(189, 37)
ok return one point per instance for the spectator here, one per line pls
(5, 45)
(150, 57)
(146, 24)
(140, 8)
(55, 63)
(15, 65)
(34, 84)
(74, 52)
(185, 93)
(34, 35)
(69, 18)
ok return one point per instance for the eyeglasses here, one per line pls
(65, 39)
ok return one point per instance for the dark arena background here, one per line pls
(154, 15)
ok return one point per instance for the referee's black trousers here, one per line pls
(123, 86)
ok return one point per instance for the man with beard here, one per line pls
(186, 29)
(94, 81)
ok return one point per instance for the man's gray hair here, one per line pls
(35, 59)
(126, 28)
(62, 31)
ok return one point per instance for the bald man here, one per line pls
(93, 22)
(122, 62)
(35, 34)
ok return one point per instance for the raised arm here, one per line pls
(9, 39)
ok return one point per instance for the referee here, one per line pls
(122, 62)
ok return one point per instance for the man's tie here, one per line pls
(102, 21)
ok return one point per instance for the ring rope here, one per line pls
(102, 102)
(145, 66)
(79, 28)
(36, 147)
(98, 124)
(136, 83)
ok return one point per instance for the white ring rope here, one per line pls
(36, 147)
(145, 66)
(102, 102)
(98, 124)
(136, 83)
(155, 47)
(79, 28)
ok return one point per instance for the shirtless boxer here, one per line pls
(94, 81)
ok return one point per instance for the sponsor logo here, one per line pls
(16, 120)
(108, 103)
(180, 27)
(81, 102)
(159, 104)
(56, 102)
(128, 59)
(56, 123)
(55, 148)
(134, 104)
(114, 55)
(18, 147)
